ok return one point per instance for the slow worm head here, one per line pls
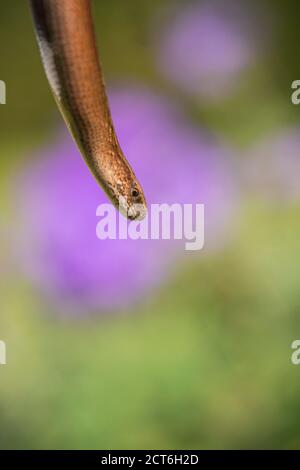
(66, 39)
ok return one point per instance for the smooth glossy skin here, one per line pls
(66, 38)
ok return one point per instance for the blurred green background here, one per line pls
(205, 361)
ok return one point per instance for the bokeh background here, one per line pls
(141, 344)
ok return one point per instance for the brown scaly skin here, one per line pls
(66, 38)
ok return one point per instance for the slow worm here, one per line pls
(67, 43)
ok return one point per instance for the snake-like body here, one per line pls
(67, 43)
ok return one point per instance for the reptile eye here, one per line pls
(135, 192)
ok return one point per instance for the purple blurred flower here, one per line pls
(272, 167)
(174, 162)
(208, 45)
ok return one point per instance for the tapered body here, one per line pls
(66, 38)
